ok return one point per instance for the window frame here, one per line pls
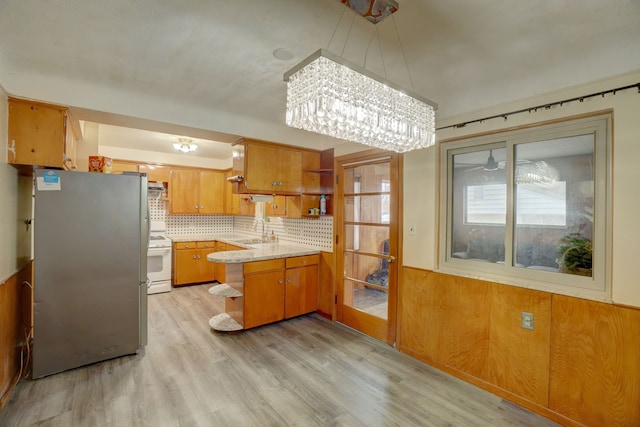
(596, 287)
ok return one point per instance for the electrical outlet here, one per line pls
(412, 229)
(527, 320)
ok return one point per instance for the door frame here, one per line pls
(395, 231)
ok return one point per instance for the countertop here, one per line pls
(253, 252)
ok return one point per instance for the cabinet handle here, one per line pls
(288, 280)
(193, 256)
(279, 183)
(201, 207)
(280, 281)
(198, 256)
(273, 183)
(304, 261)
(196, 206)
(186, 246)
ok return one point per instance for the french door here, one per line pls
(367, 242)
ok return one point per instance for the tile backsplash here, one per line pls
(317, 233)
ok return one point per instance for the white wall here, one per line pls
(420, 174)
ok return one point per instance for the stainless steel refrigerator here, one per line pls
(90, 268)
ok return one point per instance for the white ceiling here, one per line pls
(207, 69)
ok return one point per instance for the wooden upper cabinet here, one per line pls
(184, 185)
(195, 191)
(211, 199)
(119, 166)
(272, 169)
(155, 173)
(37, 133)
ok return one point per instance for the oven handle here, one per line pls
(159, 250)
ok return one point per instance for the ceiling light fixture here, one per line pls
(185, 145)
(328, 95)
(536, 173)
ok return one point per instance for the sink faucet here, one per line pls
(264, 232)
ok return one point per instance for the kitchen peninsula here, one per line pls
(264, 283)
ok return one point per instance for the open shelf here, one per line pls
(224, 290)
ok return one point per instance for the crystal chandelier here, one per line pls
(536, 173)
(330, 96)
(185, 145)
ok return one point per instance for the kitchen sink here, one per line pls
(249, 241)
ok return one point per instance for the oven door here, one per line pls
(159, 269)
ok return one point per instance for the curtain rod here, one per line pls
(545, 106)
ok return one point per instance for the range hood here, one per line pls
(155, 186)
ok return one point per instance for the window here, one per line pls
(487, 204)
(529, 206)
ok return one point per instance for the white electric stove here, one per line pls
(158, 259)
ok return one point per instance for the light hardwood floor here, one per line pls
(305, 372)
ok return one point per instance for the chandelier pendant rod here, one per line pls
(406, 65)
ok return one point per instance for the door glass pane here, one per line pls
(366, 298)
(367, 179)
(479, 205)
(367, 209)
(554, 182)
(367, 238)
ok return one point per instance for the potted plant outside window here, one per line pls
(575, 255)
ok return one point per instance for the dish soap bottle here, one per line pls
(323, 205)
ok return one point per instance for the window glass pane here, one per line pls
(554, 182)
(479, 205)
(486, 204)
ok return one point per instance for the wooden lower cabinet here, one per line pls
(190, 264)
(263, 298)
(268, 291)
(301, 285)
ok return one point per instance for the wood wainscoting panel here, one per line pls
(326, 286)
(16, 321)
(446, 319)
(595, 362)
(518, 358)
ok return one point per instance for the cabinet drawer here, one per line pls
(206, 244)
(267, 265)
(185, 245)
(302, 261)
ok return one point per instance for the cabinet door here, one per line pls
(155, 173)
(184, 185)
(211, 192)
(261, 172)
(228, 194)
(37, 133)
(289, 171)
(207, 269)
(276, 208)
(263, 298)
(119, 166)
(186, 266)
(301, 291)
(245, 206)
